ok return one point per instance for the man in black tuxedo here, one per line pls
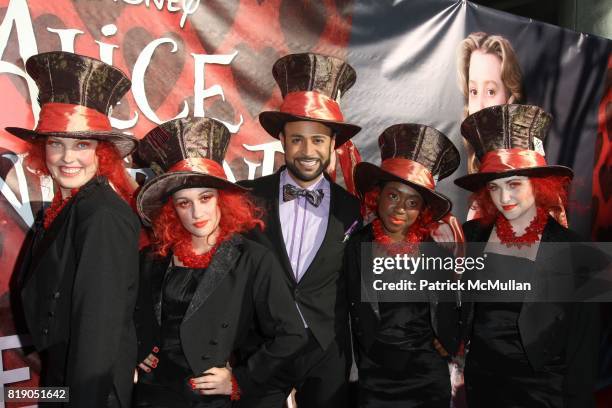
(308, 220)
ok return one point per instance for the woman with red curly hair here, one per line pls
(80, 273)
(204, 286)
(400, 342)
(540, 354)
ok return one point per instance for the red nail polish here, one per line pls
(155, 349)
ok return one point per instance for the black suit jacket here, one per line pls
(241, 288)
(550, 329)
(81, 282)
(321, 292)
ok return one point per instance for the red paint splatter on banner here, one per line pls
(602, 171)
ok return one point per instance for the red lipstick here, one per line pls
(200, 224)
(508, 207)
(396, 221)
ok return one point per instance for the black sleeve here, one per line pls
(583, 353)
(448, 312)
(351, 265)
(279, 323)
(147, 329)
(107, 256)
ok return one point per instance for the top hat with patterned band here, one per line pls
(311, 86)
(509, 141)
(412, 154)
(183, 153)
(76, 94)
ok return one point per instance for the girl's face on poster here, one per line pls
(198, 210)
(485, 86)
(513, 197)
(399, 205)
(71, 162)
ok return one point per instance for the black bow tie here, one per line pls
(291, 192)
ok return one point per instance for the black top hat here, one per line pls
(311, 86)
(412, 154)
(183, 153)
(76, 94)
(509, 141)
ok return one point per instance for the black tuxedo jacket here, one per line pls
(242, 285)
(81, 283)
(321, 292)
(551, 329)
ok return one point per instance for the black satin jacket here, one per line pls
(551, 329)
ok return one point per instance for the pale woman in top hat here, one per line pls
(400, 364)
(203, 285)
(80, 272)
(524, 354)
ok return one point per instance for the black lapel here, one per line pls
(158, 272)
(222, 262)
(274, 230)
(553, 232)
(31, 244)
(367, 287)
(49, 236)
(476, 234)
(332, 223)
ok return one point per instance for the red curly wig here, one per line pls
(370, 205)
(238, 214)
(110, 165)
(550, 193)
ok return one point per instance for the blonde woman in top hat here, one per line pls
(203, 285)
(524, 354)
(399, 365)
(80, 272)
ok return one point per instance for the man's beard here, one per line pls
(295, 171)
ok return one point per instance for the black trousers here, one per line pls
(319, 376)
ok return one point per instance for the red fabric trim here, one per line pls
(409, 170)
(199, 165)
(313, 105)
(510, 159)
(65, 117)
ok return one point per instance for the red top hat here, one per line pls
(311, 85)
(509, 141)
(76, 94)
(183, 153)
(412, 154)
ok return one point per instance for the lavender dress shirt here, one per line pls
(303, 225)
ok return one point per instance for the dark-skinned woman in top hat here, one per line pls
(534, 348)
(397, 357)
(80, 273)
(203, 285)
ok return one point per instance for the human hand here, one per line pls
(150, 362)
(214, 381)
(443, 235)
